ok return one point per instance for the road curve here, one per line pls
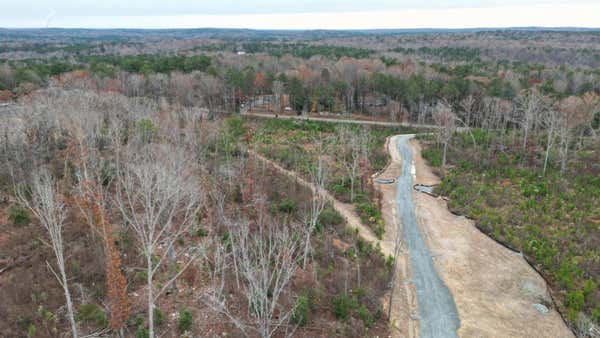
(438, 317)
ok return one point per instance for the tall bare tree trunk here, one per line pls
(68, 299)
(550, 141)
(444, 155)
(150, 297)
(548, 144)
(564, 154)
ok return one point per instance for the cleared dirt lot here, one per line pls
(494, 288)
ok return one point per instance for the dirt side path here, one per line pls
(493, 287)
(346, 210)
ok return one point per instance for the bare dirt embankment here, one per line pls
(494, 288)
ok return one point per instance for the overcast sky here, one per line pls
(298, 14)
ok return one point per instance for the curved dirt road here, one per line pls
(438, 316)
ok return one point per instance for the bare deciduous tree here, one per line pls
(278, 90)
(468, 105)
(423, 112)
(529, 106)
(356, 150)
(446, 120)
(573, 114)
(45, 203)
(267, 258)
(159, 198)
(551, 120)
(319, 175)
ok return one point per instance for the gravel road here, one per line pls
(438, 317)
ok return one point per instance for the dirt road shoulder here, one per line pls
(494, 288)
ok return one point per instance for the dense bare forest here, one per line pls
(139, 197)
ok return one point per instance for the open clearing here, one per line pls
(494, 288)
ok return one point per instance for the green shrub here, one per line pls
(139, 322)
(31, 330)
(379, 161)
(287, 205)
(141, 276)
(23, 322)
(18, 215)
(371, 215)
(92, 313)
(596, 314)
(201, 232)
(369, 210)
(235, 127)
(159, 317)
(142, 332)
(343, 306)
(359, 292)
(572, 315)
(565, 274)
(364, 248)
(185, 320)
(301, 310)
(379, 230)
(575, 300)
(147, 129)
(588, 290)
(340, 186)
(433, 156)
(230, 136)
(329, 216)
(365, 315)
(389, 262)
